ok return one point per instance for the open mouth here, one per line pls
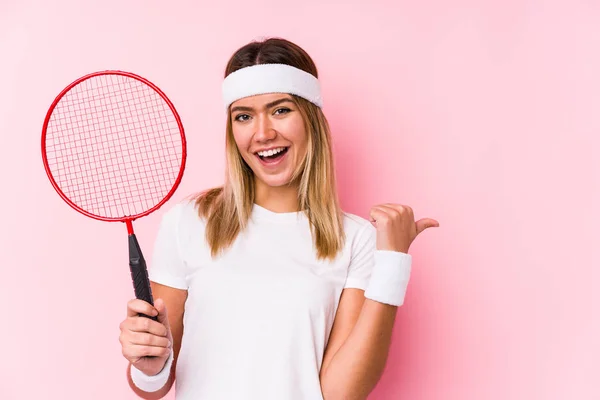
(273, 155)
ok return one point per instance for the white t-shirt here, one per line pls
(257, 319)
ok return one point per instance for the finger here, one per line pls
(397, 212)
(377, 213)
(148, 339)
(136, 351)
(394, 210)
(161, 308)
(425, 223)
(137, 306)
(403, 209)
(143, 324)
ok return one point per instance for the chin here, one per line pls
(276, 181)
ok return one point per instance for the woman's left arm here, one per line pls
(360, 338)
(358, 347)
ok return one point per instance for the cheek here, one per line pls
(302, 143)
(297, 134)
(242, 140)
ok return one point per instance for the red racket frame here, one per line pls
(128, 219)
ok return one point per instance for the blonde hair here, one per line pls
(227, 208)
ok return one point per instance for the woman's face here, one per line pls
(271, 137)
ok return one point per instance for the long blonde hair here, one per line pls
(227, 208)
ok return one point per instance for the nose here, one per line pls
(264, 129)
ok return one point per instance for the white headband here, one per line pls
(271, 78)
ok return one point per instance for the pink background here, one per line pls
(483, 115)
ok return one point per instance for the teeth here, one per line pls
(271, 152)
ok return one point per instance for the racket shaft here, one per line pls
(139, 273)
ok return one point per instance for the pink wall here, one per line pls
(482, 115)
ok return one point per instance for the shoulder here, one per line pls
(182, 216)
(180, 208)
(357, 228)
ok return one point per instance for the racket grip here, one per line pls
(139, 273)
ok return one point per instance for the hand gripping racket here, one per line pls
(114, 148)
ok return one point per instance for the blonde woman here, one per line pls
(265, 289)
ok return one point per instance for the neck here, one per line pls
(277, 199)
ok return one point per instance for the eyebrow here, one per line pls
(267, 106)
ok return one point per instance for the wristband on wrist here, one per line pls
(389, 278)
(155, 382)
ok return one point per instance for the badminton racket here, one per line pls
(114, 149)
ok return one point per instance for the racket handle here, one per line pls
(139, 273)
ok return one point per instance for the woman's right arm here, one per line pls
(174, 302)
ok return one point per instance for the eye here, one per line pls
(282, 110)
(241, 117)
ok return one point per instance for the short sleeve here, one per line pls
(167, 266)
(362, 258)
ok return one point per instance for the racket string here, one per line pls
(114, 146)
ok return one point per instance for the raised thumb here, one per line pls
(425, 223)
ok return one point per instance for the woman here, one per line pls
(265, 289)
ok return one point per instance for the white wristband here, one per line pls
(155, 382)
(389, 278)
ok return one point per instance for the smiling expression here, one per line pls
(271, 136)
